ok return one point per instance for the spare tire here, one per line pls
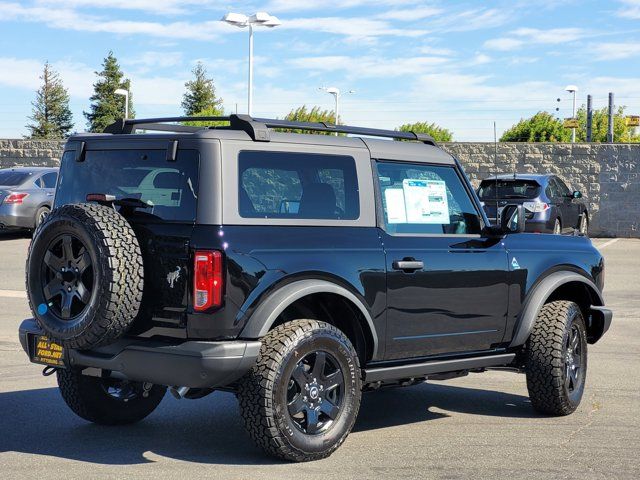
(85, 275)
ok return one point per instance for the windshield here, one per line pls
(11, 178)
(166, 190)
(490, 189)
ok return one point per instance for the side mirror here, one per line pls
(513, 219)
(576, 194)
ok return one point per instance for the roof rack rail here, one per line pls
(256, 128)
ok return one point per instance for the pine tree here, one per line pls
(51, 117)
(106, 106)
(200, 97)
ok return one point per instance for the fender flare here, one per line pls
(268, 311)
(538, 297)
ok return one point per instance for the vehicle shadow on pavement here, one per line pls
(14, 234)
(401, 406)
(210, 430)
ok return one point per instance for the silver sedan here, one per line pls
(26, 195)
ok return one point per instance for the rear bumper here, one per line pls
(195, 364)
(601, 321)
(16, 216)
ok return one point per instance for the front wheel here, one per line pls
(108, 401)
(556, 363)
(300, 401)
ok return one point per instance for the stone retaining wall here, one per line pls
(607, 175)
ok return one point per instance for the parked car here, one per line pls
(550, 206)
(26, 196)
(296, 271)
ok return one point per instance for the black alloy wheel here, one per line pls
(67, 276)
(573, 360)
(315, 393)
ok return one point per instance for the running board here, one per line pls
(436, 366)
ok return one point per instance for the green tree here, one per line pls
(106, 106)
(542, 127)
(439, 134)
(208, 112)
(201, 94)
(600, 126)
(315, 114)
(51, 117)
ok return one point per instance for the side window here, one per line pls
(562, 188)
(553, 190)
(297, 186)
(426, 199)
(48, 180)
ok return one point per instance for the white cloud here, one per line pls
(150, 59)
(161, 7)
(350, 27)
(552, 36)
(630, 9)
(369, 66)
(429, 50)
(616, 50)
(411, 14)
(503, 44)
(328, 5)
(68, 19)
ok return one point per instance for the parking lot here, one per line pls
(480, 426)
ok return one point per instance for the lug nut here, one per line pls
(69, 289)
(304, 399)
(63, 269)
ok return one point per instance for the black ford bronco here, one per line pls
(296, 271)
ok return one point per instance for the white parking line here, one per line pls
(607, 243)
(13, 294)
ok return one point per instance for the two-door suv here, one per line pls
(296, 271)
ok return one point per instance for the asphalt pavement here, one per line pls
(480, 426)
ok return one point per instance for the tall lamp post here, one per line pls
(125, 94)
(573, 89)
(259, 19)
(336, 96)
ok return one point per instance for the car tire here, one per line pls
(557, 227)
(556, 359)
(300, 400)
(108, 401)
(584, 225)
(41, 215)
(84, 275)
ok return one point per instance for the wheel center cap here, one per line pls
(313, 392)
(68, 276)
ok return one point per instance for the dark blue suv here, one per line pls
(550, 206)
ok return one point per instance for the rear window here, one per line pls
(169, 189)
(508, 189)
(297, 186)
(10, 178)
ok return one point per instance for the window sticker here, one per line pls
(426, 201)
(396, 211)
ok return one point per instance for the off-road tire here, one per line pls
(262, 392)
(545, 359)
(88, 399)
(117, 275)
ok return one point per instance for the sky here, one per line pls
(461, 64)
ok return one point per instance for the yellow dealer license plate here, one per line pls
(47, 352)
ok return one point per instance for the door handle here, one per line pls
(407, 265)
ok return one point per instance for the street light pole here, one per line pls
(125, 94)
(243, 21)
(573, 89)
(336, 96)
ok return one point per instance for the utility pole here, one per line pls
(610, 130)
(589, 118)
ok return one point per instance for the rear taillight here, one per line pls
(208, 280)
(535, 207)
(15, 198)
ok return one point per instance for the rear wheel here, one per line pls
(41, 215)
(584, 225)
(301, 399)
(108, 401)
(557, 359)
